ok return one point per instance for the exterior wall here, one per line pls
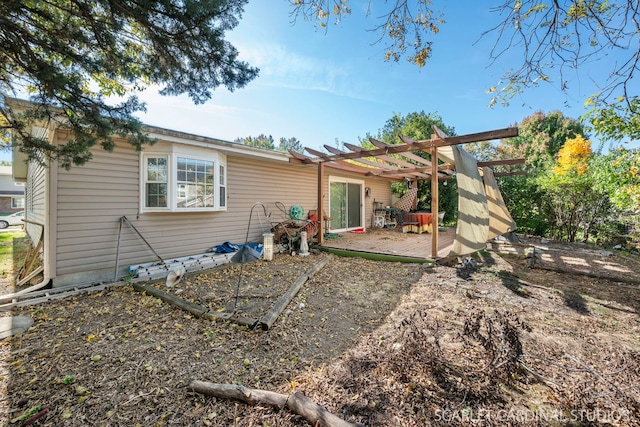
(36, 200)
(5, 205)
(379, 191)
(6, 180)
(90, 200)
(87, 204)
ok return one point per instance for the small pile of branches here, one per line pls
(424, 370)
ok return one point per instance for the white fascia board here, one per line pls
(215, 144)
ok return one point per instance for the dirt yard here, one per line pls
(489, 342)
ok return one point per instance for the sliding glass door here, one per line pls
(345, 204)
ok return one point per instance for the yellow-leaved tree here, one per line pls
(573, 156)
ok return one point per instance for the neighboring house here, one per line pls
(11, 193)
(184, 194)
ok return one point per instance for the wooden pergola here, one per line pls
(404, 166)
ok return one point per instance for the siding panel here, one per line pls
(92, 199)
(35, 199)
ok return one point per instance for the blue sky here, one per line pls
(327, 86)
(322, 86)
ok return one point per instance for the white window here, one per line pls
(184, 180)
(17, 202)
(156, 182)
(223, 187)
(196, 183)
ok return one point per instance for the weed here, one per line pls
(129, 277)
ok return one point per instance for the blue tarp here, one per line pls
(252, 252)
(227, 247)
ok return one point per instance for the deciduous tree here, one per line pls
(260, 141)
(573, 156)
(540, 137)
(419, 126)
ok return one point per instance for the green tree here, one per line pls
(541, 136)
(617, 173)
(69, 55)
(267, 142)
(260, 141)
(482, 151)
(575, 207)
(415, 125)
(526, 203)
(287, 144)
(617, 121)
(575, 204)
(419, 126)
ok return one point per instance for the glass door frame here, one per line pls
(342, 180)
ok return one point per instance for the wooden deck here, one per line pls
(393, 241)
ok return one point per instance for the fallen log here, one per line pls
(315, 414)
(193, 308)
(270, 317)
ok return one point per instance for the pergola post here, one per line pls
(434, 200)
(320, 199)
(414, 184)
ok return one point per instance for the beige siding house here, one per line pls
(184, 194)
(11, 193)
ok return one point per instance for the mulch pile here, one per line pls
(383, 344)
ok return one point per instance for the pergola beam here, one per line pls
(380, 165)
(516, 173)
(408, 155)
(382, 156)
(502, 162)
(418, 145)
(405, 171)
(474, 137)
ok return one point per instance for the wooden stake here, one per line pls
(270, 317)
(193, 308)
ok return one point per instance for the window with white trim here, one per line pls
(223, 187)
(17, 202)
(156, 182)
(184, 181)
